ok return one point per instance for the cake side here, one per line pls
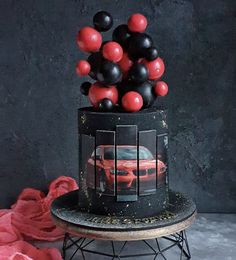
(123, 167)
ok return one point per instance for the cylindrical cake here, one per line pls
(123, 166)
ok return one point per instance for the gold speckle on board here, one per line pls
(83, 118)
(113, 220)
(164, 124)
(107, 220)
(127, 221)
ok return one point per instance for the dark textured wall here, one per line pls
(40, 91)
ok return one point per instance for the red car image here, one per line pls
(127, 171)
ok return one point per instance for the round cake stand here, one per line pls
(84, 229)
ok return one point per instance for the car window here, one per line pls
(109, 153)
(127, 153)
(145, 154)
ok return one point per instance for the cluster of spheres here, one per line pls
(126, 71)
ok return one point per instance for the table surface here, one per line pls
(178, 216)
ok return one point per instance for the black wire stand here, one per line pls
(155, 250)
(111, 237)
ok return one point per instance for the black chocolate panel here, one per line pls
(126, 162)
(87, 164)
(147, 173)
(162, 146)
(105, 162)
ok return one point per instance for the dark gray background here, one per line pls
(40, 92)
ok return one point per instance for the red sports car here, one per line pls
(127, 171)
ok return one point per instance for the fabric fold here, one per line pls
(29, 219)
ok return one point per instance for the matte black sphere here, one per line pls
(138, 44)
(84, 88)
(151, 53)
(121, 35)
(95, 61)
(123, 87)
(109, 73)
(146, 91)
(102, 21)
(106, 105)
(138, 73)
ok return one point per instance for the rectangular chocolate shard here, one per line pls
(126, 162)
(147, 163)
(86, 174)
(105, 162)
(162, 159)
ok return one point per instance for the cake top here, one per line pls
(126, 71)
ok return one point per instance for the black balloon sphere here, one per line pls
(125, 86)
(84, 88)
(109, 73)
(121, 35)
(106, 105)
(102, 21)
(146, 91)
(138, 44)
(95, 61)
(151, 53)
(138, 73)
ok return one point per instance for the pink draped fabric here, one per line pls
(22, 250)
(29, 219)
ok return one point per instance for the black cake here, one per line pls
(123, 162)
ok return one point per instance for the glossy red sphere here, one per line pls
(98, 92)
(137, 23)
(89, 40)
(125, 63)
(132, 101)
(112, 51)
(161, 88)
(83, 68)
(155, 68)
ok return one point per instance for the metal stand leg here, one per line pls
(64, 245)
(82, 244)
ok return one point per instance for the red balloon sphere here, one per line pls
(155, 68)
(112, 51)
(137, 23)
(125, 63)
(161, 88)
(82, 68)
(132, 101)
(89, 40)
(98, 92)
